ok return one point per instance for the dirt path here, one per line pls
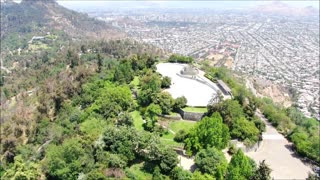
(275, 149)
(186, 163)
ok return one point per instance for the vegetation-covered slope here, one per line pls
(21, 21)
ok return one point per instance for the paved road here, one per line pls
(275, 150)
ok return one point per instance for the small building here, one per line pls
(189, 70)
(224, 88)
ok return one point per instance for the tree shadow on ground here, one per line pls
(296, 155)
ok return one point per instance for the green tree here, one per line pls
(45, 57)
(244, 129)
(240, 167)
(230, 110)
(212, 161)
(124, 118)
(72, 58)
(180, 174)
(165, 101)
(312, 176)
(112, 101)
(83, 49)
(68, 160)
(151, 81)
(100, 62)
(181, 135)
(123, 72)
(122, 141)
(263, 172)
(152, 112)
(166, 82)
(180, 102)
(167, 160)
(22, 170)
(197, 175)
(156, 175)
(209, 132)
(150, 85)
(96, 175)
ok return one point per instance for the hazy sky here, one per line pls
(87, 5)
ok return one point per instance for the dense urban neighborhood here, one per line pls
(284, 50)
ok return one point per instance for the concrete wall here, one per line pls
(172, 117)
(194, 116)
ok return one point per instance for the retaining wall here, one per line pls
(172, 117)
(194, 116)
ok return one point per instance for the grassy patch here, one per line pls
(195, 109)
(179, 125)
(173, 114)
(168, 135)
(171, 143)
(37, 46)
(138, 172)
(137, 120)
(175, 126)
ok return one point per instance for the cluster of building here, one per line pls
(282, 49)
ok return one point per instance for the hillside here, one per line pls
(36, 18)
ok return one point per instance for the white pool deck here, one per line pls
(197, 93)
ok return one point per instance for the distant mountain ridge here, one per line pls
(280, 8)
(41, 16)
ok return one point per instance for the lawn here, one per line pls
(178, 125)
(171, 143)
(138, 172)
(137, 120)
(175, 126)
(195, 109)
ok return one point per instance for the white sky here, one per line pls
(235, 4)
(228, 4)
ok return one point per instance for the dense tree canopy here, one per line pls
(240, 167)
(165, 101)
(212, 161)
(209, 132)
(166, 82)
(68, 160)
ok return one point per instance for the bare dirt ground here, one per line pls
(186, 163)
(275, 149)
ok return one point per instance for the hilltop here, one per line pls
(40, 17)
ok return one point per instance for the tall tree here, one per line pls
(99, 63)
(72, 58)
(165, 101)
(240, 167)
(209, 132)
(68, 160)
(263, 172)
(212, 161)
